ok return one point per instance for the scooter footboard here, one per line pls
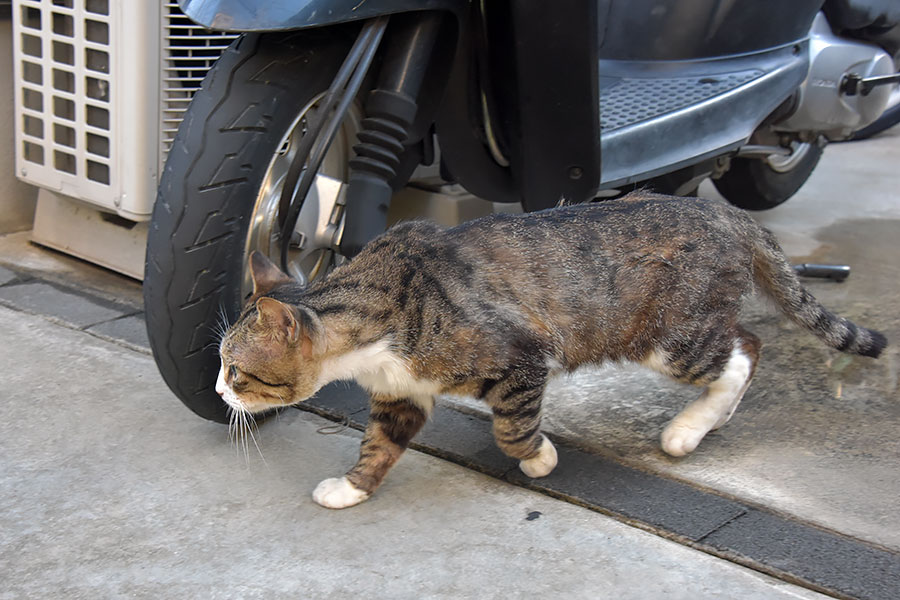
(708, 107)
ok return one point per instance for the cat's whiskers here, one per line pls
(219, 328)
(222, 325)
(240, 430)
(234, 428)
(244, 430)
(236, 425)
(249, 426)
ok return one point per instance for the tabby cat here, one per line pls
(494, 307)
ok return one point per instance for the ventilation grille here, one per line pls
(65, 89)
(101, 88)
(188, 53)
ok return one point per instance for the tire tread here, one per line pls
(195, 243)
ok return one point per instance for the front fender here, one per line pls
(280, 15)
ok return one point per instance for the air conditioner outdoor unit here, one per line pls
(101, 87)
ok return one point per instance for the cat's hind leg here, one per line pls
(393, 422)
(718, 401)
(515, 402)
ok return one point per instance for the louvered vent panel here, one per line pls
(101, 87)
(188, 53)
(65, 136)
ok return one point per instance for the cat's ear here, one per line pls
(297, 326)
(265, 274)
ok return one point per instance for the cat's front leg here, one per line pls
(515, 401)
(392, 424)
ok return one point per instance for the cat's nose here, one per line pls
(220, 382)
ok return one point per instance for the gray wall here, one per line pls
(17, 199)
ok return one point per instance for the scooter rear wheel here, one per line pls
(888, 119)
(218, 199)
(761, 184)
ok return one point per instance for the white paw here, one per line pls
(542, 464)
(679, 439)
(338, 493)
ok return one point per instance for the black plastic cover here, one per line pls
(678, 30)
(859, 14)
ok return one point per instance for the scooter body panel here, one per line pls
(282, 15)
(673, 30)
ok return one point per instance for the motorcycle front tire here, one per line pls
(197, 240)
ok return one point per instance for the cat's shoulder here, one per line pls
(414, 228)
(647, 197)
(405, 237)
(643, 204)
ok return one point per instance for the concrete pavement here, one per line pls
(110, 488)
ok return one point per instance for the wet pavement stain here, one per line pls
(816, 435)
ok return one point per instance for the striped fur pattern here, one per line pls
(492, 308)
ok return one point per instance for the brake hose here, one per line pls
(318, 138)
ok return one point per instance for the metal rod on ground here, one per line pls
(834, 272)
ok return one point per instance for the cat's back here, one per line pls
(639, 222)
(564, 239)
(636, 213)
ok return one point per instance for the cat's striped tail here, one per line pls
(774, 274)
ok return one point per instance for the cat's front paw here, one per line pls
(678, 439)
(543, 463)
(338, 492)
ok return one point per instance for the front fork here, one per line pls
(391, 110)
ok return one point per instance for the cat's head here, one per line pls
(272, 355)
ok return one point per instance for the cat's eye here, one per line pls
(232, 370)
(265, 382)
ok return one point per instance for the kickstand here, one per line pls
(834, 272)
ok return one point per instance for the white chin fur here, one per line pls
(338, 492)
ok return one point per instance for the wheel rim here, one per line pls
(785, 163)
(893, 99)
(312, 253)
